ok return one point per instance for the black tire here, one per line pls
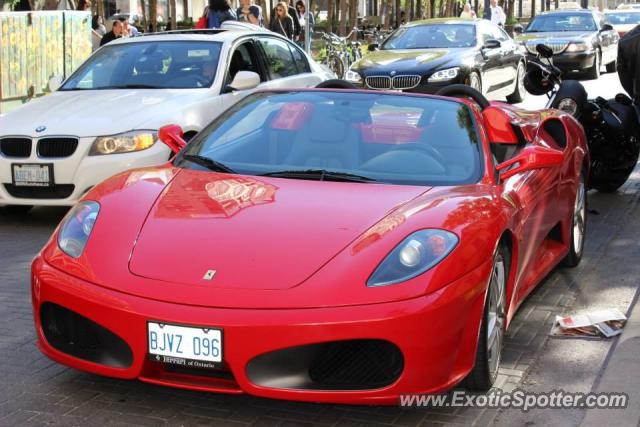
(336, 65)
(18, 209)
(606, 180)
(474, 81)
(576, 249)
(594, 72)
(612, 67)
(336, 84)
(519, 92)
(483, 375)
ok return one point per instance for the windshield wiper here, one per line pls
(130, 86)
(320, 174)
(208, 163)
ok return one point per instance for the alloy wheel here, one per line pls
(496, 314)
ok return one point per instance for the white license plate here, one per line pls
(32, 175)
(169, 342)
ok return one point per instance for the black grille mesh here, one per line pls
(356, 364)
(60, 191)
(15, 147)
(57, 147)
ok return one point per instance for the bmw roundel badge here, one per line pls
(41, 129)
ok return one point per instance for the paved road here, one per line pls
(35, 391)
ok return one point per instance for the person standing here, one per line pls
(291, 11)
(467, 12)
(498, 16)
(219, 12)
(115, 33)
(301, 13)
(248, 12)
(281, 22)
(98, 30)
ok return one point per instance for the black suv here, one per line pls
(582, 40)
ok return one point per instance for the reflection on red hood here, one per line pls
(256, 233)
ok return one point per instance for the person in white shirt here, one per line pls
(497, 14)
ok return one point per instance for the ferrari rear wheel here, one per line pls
(485, 371)
(578, 227)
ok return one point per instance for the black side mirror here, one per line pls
(491, 44)
(606, 27)
(544, 50)
(518, 29)
(373, 47)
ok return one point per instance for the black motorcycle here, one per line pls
(612, 126)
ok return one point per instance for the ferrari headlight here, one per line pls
(444, 75)
(579, 47)
(123, 143)
(353, 77)
(413, 256)
(77, 227)
(568, 105)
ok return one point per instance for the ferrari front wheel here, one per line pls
(578, 226)
(485, 371)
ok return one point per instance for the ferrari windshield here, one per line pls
(148, 65)
(342, 136)
(432, 36)
(562, 22)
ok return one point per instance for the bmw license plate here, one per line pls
(184, 345)
(32, 175)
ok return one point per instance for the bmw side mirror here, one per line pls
(491, 44)
(54, 83)
(530, 158)
(171, 136)
(606, 27)
(373, 47)
(243, 80)
(518, 29)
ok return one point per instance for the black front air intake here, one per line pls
(338, 365)
(77, 336)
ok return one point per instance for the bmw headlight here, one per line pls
(413, 256)
(579, 46)
(77, 227)
(123, 143)
(353, 77)
(568, 105)
(444, 75)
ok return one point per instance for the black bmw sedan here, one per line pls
(424, 56)
(582, 40)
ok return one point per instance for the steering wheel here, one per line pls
(429, 150)
(459, 90)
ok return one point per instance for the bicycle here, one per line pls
(341, 53)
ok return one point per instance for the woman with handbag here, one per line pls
(282, 23)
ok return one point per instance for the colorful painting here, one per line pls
(35, 46)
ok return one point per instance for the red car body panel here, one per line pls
(159, 229)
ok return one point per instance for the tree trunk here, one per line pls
(432, 8)
(388, 18)
(397, 14)
(172, 14)
(533, 8)
(353, 17)
(409, 13)
(153, 15)
(344, 14)
(329, 16)
(145, 19)
(418, 14)
(510, 14)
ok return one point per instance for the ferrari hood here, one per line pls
(239, 232)
(91, 113)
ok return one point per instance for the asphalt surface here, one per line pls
(36, 391)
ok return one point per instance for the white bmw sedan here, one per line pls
(104, 118)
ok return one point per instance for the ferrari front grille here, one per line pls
(405, 82)
(15, 147)
(77, 336)
(378, 82)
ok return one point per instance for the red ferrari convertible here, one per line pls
(319, 245)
